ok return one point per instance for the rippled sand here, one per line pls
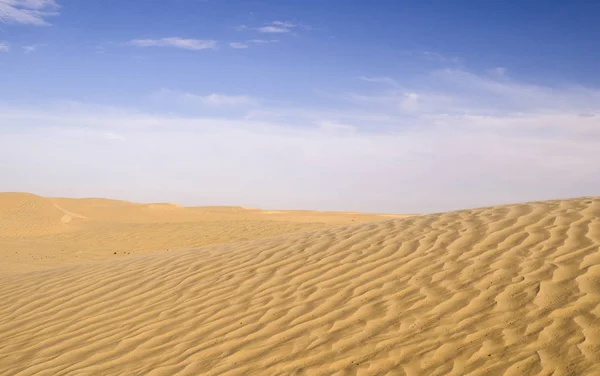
(39, 232)
(507, 290)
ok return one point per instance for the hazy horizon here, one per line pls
(371, 106)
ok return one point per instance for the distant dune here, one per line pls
(38, 232)
(506, 290)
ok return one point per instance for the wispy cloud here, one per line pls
(430, 163)
(458, 92)
(286, 24)
(434, 56)
(454, 139)
(501, 95)
(219, 100)
(275, 27)
(4, 47)
(29, 12)
(246, 44)
(379, 80)
(280, 27)
(187, 44)
(211, 100)
(30, 49)
(238, 45)
(335, 126)
(498, 71)
(262, 41)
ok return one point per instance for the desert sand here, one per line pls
(39, 232)
(505, 290)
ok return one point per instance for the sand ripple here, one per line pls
(511, 290)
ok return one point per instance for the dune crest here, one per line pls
(508, 290)
(23, 215)
(40, 232)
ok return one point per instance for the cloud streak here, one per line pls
(238, 45)
(220, 100)
(262, 41)
(379, 80)
(28, 12)
(211, 100)
(450, 92)
(183, 43)
(276, 27)
(434, 56)
(4, 47)
(30, 49)
(453, 140)
(248, 43)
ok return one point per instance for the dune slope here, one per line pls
(510, 290)
(23, 214)
(40, 232)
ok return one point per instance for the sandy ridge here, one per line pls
(509, 290)
(39, 232)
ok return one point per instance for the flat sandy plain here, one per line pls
(88, 287)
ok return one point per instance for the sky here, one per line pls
(407, 106)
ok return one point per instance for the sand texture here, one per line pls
(39, 233)
(507, 290)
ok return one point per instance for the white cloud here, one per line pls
(275, 27)
(458, 92)
(286, 24)
(4, 47)
(498, 71)
(491, 95)
(452, 140)
(379, 80)
(32, 12)
(29, 49)
(238, 45)
(246, 44)
(410, 102)
(434, 56)
(262, 41)
(211, 100)
(465, 161)
(299, 116)
(336, 127)
(188, 44)
(219, 100)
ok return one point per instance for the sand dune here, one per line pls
(510, 290)
(23, 214)
(38, 232)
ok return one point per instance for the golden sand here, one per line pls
(507, 290)
(38, 232)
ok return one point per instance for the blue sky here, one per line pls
(389, 106)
